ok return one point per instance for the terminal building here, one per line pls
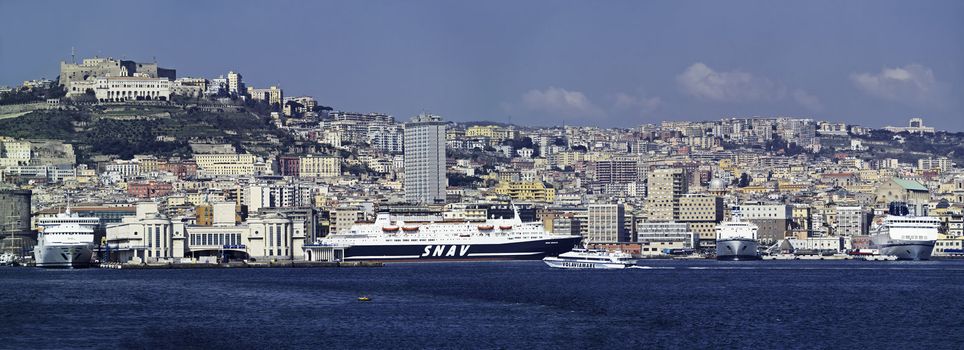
(660, 236)
(149, 236)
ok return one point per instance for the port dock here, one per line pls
(241, 265)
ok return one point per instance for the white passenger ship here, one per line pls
(66, 240)
(494, 239)
(591, 259)
(906, 237)
(737, 239)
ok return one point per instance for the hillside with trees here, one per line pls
(157, 130)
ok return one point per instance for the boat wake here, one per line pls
(652, 267)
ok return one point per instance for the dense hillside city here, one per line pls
(215, 161)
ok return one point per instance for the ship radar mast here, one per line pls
(67, 195)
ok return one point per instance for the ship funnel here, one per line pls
(898, 209)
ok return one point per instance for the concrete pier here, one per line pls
(285, 264)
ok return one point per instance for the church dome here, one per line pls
(717, 184)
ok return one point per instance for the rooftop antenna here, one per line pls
(73, 55)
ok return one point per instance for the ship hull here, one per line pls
(524, 250)
(907, 250)
(63, 256)
(737, 249)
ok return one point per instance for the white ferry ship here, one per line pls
(66, 240)
(903, 236)
(737, 240)
(494, 239)
(591, 259)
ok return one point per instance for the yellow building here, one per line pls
(204, 215)
(564, 159)
(225, 164)
(726, 165)
(13, 152)
(490, 131)
(760, 189)
(787, 186)
(315, 166)
(195, 198)
(275, 95)
(535, 191)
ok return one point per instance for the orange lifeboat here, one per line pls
(390, 228)
(505, 227)
(485, 227)
(410, 228)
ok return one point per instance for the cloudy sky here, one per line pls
(609, 63)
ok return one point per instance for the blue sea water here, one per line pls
(491, 305)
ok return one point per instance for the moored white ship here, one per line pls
(66, 240)
(494, 239)
(906, 237)
(737, 240)
(591, 259)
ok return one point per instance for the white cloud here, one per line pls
(911, 84)
(560, 102)
(807, 100)
(703, 82)
(640, 104)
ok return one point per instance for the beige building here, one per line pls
(191, 87)
(664, 235)
(226, 164)
(117, 89)
(702, 213)
(773, 220)
(14, 152)
(151, 237)
(535, 191)
(802, 218)
(607, 223)
(315, 166)
(490, 131)
(92, 68)
(309, 102)
(851, 221)
(915, 194)
(146, 237)
(567, 158)
(941, 164)
(341, 219)
(268, 237)
(275, 95)
(235, 85)
(664, 188)
(259, 94)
